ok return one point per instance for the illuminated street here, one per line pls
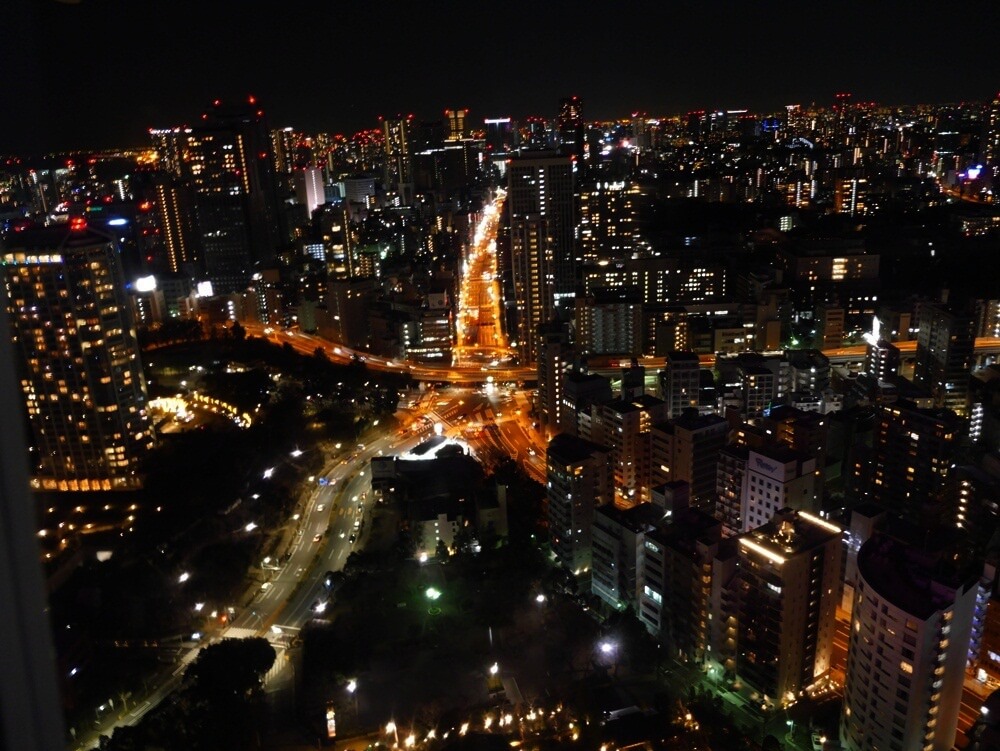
(480, 335)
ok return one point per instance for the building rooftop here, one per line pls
(623, 406)
(677, 356)
(789, 533)
(686, 527)
(569, 449)
(638, 518)
(690, 419)
(55, 237)
(806, 358)
(779, 452)
(919, 576)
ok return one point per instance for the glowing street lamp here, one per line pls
(432, 593)
(183, 577)
(352, 686)
(268, 472)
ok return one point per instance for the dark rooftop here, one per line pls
(55, 238)
(917, 578)
(569, 449)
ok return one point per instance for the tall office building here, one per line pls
(540, 197)
(912, 622)
(30, 709)
(177, 223)
(882, 359)
(914, 449)
(945, 353)
(332, 224)
(578, 480)
(78, 360)
(829, 320)
(228, 163)
(309, 189)
(618, 539)
(624, 427)
(788, 587)
(730, 470)
(676, 581)
(570, 125)
(607, 229)
(776, 478)
(555, 354)
(284, 143)
(990, 149)
(687, 449)
(803, 431)
(457, 129)
(168, 143)
(680, 382)
(501, 135)
(398, 157)
(581, 390)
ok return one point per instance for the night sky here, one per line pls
(98, 73)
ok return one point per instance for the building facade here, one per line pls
(78, 359)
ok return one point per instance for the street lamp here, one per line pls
(183, 577)
(352, 686)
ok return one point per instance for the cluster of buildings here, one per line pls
(750, 503)
(770, 467)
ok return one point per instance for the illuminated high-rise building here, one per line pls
(540, 197)
(850, 196)
(283, 143)
(169, 146)
(570, 124)
(78, 360)
(787, 589)
(991, 136)
(914, 450)
(578, 479)
(309, 188)
(555, 354)
(608, 217)
(687, 449)
(680, 382)
(227, 162)
(914, 613)
(457, 129)
(501, 135)
(398, 156)
(30, 710)
(945, 353)
(333, 226)
(178, 233)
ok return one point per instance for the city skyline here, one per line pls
(123, 73)
(665, 416)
